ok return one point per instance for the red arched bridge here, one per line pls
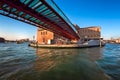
(41, 13)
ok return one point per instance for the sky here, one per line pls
(12, 29)
(85, 13)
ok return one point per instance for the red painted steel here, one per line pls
(55, 28)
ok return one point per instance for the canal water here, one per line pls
(20, 62)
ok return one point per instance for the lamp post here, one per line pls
(33, 39)
(100, 42)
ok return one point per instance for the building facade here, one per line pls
(48, 37)
(88, 33)
(44, 36)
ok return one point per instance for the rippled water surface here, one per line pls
(110, 61)
(20, 62)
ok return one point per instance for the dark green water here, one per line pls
(20, 62)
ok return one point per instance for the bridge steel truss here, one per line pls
(39, 13)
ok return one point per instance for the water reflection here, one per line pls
(94, 53)
(20, 62)
(68, 64)
(49, 58)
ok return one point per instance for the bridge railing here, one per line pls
(59, 11)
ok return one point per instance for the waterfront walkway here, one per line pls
(63, 45)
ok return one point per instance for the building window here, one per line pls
(98, 30)
(43, 39)
(43, 33)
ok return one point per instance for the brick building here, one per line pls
(89, 33)
(48, 37)
(44, 36)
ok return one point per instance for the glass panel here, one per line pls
(45, 12)
(37, 21)
(27, 16)
(20, 13)
(48, 13)
(16, 12)
(39, 3)
(56, 18)
(57, 21)
(41, 7)
(13, 10)
(51, 15)
(41, 22)
(7, 8)
(32, 18)
(22, 1)
(4, 5)
(26, 2)
(33, 3)
(53, 19)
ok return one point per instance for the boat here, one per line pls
(95, 43)
(19, 42)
